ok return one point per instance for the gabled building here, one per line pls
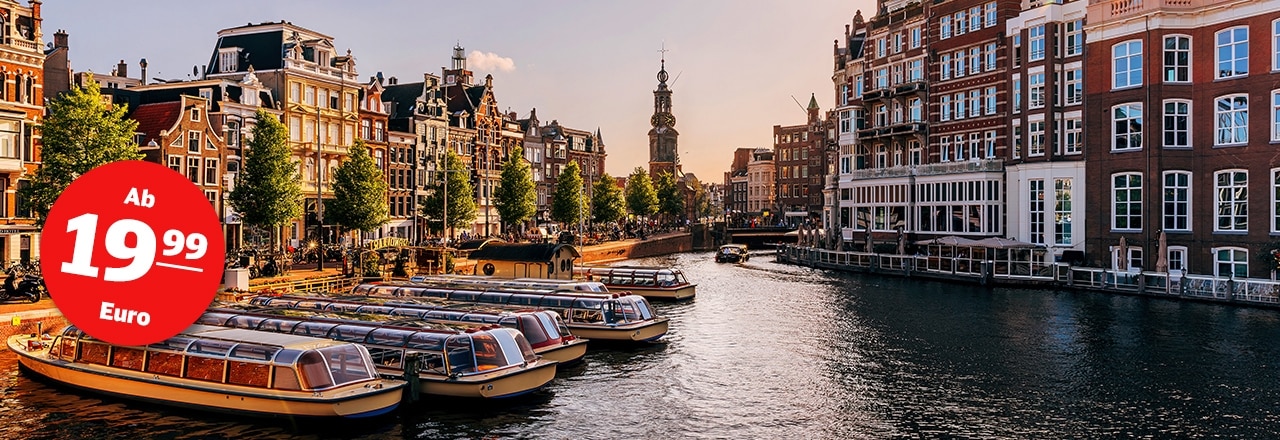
(418, 109)
(535, 151)
(21, 108)
(318, 90)
(761, 186)
(373, 131)
(180, 134)
(800, 157)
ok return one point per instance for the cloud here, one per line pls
(490, 62)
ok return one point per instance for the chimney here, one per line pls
(60, 39)
(143, 63)
(122, 69)
(392, 81)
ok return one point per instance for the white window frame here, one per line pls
(944, 108)
(1176, 195)
(916, 109)
(1275, 115)
(1239, 257)
(177, 161)
(1275, 200)
(975, 103)
(1239, 52)
(1177, 259)
(1123, 78)
(990, 9)
(1275, 45)
(1063, 226)
(1035, 138)
(961, 21)
(1133, 222)
(944, 66)
(1073, 135)
(1130, 136)
(1035, 210)
(1230, 205)
(944, 27)
(1073, 85)
(990, 107)
(1171, 126)
(1073, 32)
(1035, 90)
(944, 149)
(975, 18)
(961, 62)
(975, 60)
(915, 37)
(991, 56)
(1227, 123)
(1181, 72)
(1035, 43)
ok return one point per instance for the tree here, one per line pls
(79, 134)
(606, 201)
(360, 192)
(566, 203)
(670, 197)
(268, 190)
(516, 196)
(462, 202)
(641, 198)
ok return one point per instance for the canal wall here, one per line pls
(1037, 274)
(49, 320)
(628, 249)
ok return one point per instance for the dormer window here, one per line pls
(195, 114)
(228, 59)
(322, 57)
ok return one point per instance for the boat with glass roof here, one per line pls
(600, 317)
(514, 283)
(494, 362)
(213, 368)
(544, 329)
(649, 282)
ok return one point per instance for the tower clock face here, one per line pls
(663, 119)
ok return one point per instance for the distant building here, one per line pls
(664, 152)
(761, 184)
(418, 109)
(181, 134)
(21, 106)
(799, 155)
(373, 114)
(735, 185)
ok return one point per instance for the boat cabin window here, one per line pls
(460, 355)
(286, 379)
(314, 372)
(553, 325)
(248, 365)
(460, 295)
(557, 301)
(347, 364)
(350, 333)
(666, 278)
(205, 368)
(308, 304)
(533, 330)
(252, 352)
(278, 325)
(93, 352)
(388, 337)
(339, 307)
(165, 363)
(64, 348)
(525, 300)
(128, 358)
(210, 347)
(314, 329)
(246, 321)
(489, 352)
(515, 346)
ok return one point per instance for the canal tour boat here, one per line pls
(226, 370)
(732, 253)
(514, 283)
(649, 282)
(544, 329)
(491, 363)
(613, 317)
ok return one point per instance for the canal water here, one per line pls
(770, 350)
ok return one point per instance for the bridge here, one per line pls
(759, 238)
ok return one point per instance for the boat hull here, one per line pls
(564, 353)
(350, 402)
(668, 293)
(495, 385)
(642, 332)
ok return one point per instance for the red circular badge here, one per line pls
(132, 252)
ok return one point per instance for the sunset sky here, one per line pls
(735, 64)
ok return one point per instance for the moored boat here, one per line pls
(611, 317)
(649, 282)
(514, 283)
(544, 329)
(491, 363)
(225, 370)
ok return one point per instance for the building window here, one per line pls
(959, 147)
(1036, 92)
(1017, 49)
(914, 147)
(310, 96)
(193, 142)
(1072, 137)
(1177, 201)
(917, 70)
(1231, 196)
(1074, 39)
(1035, 43)
(975, 103)
(975, 18)
(295, 129)
(960, 105)
(944, 63)
(944, 149)
(1275, 45)
(1017, 94)
(944, 26)
(1275, 200)
(991, 57)
(1035, 138)
(975, 60)
(991, 14)
(1177, 259)
(1062, 212)
(1275, 115)
(1126, 202)
(962, 23)
(175, 164)
(1177, 58)
(944, 108)
(211, 171)
(212, 196)
(1126, 127)
(1126, 64)
(857, 86)
(916, 110)
(991, 144)
(227, 59)
(990, 95)
(915, 37)
(1232, 262)
(1073, 87)
(1017, 140)
(1233, 52)
(195, 114)
(882, 78)
(880, 48)
(1177, 123)
(1231, 120)
(193, 169)
(1036, 208)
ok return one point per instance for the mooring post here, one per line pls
(412, 363)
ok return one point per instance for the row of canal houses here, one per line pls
(1066, 124)
(199, 127)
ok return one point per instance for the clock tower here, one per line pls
(663, 154)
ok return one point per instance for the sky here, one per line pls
(735, 65)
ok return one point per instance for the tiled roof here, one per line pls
(402, 98)
(263, 51)
(155, 117)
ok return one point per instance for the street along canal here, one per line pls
(771, 350)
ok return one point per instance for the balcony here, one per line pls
(1100, 11)
(933, 169)
(10, 165)
(899, 129)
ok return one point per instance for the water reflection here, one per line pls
(768, 350)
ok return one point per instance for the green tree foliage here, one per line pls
(702, 201)
(268, 190)
(516, 196)
(607, 204)
(642, 200)
(462, 202)
(566, 203)
(79, 134)
(670, 197)
(360, 192)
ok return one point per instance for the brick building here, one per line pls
(1212, 189)
(800, 159)
(180, 134)
(21, 106)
